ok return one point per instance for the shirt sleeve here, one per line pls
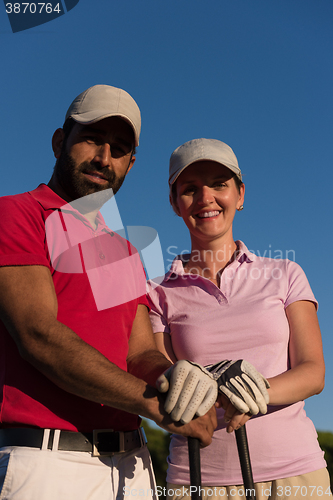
(298, 285)
(22, 232)
(156, 303)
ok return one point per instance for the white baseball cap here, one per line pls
(202, 149)
(101, 101)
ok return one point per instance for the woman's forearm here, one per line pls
(297, 384)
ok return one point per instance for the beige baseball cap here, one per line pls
(202, 149)
(101, 101)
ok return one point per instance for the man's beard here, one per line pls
(76, 186)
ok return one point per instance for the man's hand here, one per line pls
(192, 390)
(200, 427)
(243, 385)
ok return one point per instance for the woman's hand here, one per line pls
(242, 384)
(232, 416)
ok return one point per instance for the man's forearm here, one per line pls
(90, 375)
(148, 366)
(80, 369)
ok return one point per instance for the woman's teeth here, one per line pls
(205, 215)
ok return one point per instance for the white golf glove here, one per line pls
(243, 385)
(192, 390)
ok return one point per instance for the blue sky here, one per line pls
(256, 74)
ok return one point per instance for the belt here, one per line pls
(99, 442)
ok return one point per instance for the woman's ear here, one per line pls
(57, 142)
(241, 194)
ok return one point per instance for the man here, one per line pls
(78, 361)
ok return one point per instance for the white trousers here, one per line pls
(33, 474)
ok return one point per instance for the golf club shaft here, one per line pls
(244, 458)
(195, 470)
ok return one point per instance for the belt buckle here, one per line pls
(95, 450)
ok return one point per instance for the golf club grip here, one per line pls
(244, 458)
(195, 470)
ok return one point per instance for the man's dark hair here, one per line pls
(67, 128)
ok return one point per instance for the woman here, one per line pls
(223, 302)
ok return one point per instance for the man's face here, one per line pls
(95, 158)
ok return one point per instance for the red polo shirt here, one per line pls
(99, 282)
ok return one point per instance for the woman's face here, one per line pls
(207, 199)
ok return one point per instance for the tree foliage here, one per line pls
(158, 445)
(326, 443)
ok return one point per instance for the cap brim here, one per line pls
(175, 176)
(95, 116)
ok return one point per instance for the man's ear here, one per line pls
(130, 165)
(57, 142)
(174, 206)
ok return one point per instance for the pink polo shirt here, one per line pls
(243, 319)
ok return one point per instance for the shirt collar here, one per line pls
(177, 268)
(244, 254)
(49, 200)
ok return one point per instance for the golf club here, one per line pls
(244, 458)
(195, 470)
